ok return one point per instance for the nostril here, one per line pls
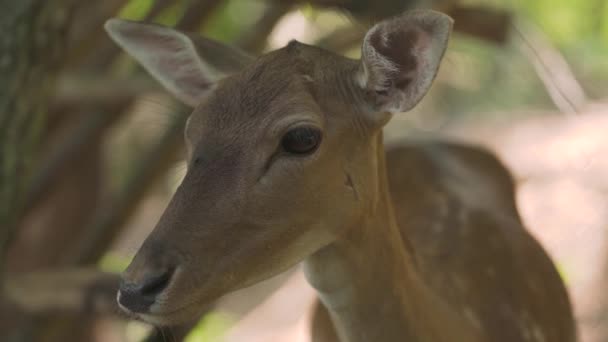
(155, 284)
(138, 297)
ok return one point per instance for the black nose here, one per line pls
(139, 296)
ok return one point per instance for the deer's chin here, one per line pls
(187, 314)
(182, 316)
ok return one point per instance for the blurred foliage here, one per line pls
(564, 274)
(225, 25)
(504, 79)
(501, 78)
(113, 262)
(229, 22)
(580, 30)
(136, 9)
(568, 22)
(211, 328)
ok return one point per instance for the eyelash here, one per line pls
(309, 138)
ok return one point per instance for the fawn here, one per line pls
(286, 163)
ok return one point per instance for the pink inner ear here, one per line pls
(403, 48)
(400, 58)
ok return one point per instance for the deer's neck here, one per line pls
(368, 281)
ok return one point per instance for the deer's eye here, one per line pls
(301, 140)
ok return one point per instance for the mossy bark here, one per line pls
(32, 37)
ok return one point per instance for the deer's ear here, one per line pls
(186, 65)
(400, 58)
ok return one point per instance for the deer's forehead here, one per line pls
(240, 112)
(265, 98)
(282, 83)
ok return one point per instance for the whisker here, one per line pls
(172, 333)
(162, 333)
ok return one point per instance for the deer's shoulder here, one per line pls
(456, 205)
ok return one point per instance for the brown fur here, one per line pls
(490, 267)
(441, 257)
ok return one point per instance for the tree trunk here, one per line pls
(32, 41)
(31, 49)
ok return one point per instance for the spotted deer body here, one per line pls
(460, 221)
(286, 163)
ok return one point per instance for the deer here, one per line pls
(286, 164)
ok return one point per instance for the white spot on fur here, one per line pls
(470, 315)
(530, 329)
(437, 228)
(539, 336)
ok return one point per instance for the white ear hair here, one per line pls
(400, 58)
(185, 65)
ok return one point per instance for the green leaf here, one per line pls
(113, 262)
(211, 328)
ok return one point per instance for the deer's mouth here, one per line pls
(161, 299)
(159, 316)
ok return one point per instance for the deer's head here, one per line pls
(282, 153)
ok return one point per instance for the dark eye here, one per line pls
(301, 140)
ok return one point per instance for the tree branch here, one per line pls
(63, 291)
(111, 216)
(552, 68)
(77, 91)
(88, 129)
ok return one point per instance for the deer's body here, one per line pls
(458, 222)
(286, 163)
